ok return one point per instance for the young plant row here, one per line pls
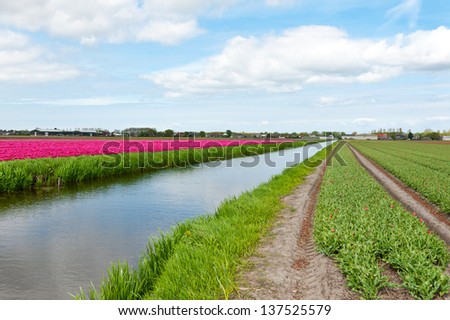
(423, 167)
(47, 172)
(359, 224)
(199, 258)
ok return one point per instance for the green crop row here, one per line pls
(46, 172)
(199, 258)
(359, 224)
(423, 167)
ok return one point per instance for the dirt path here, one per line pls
(287, 265)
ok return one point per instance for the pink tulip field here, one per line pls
(27, 164)
(54, 148)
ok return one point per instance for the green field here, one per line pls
(359, 224)
(423, 167)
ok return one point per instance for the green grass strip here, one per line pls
(359, 224)
(199, 258)
(30, 174)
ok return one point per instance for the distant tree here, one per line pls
(202, 134)
(23, 133)
(146, 132)
(338, 135)
(229, 133)
(410, 135)
(434, 135)
(169, 133)
(315, 133)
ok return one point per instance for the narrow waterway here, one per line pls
(54, 241)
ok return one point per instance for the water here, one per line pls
(54, 241)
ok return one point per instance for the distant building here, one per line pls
(117, 133)
(446, 138)
(7, 132)
(59, 132)
(401, 137)
(383, 136)
(361, 137)
(330, 137)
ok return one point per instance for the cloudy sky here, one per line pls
(244, 65)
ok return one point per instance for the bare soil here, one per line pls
(287, 265)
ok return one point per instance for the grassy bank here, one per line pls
(198, 259)
(49, 172)
(367, 232)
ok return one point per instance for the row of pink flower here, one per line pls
(53, 148)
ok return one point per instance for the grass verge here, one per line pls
(29, 174)
(359, 224)
(198, 259)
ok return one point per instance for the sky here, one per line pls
(213, 65)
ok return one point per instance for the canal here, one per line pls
(52, 242)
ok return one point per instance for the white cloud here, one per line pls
(21, 61)
(328, 100)
(283, 3)
(168, 32)
(12, 40)
(92, 21)
(91, 101)
(438, 118)
(308, 55)
(364, 121)
(409, 9)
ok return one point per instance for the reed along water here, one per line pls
(54, 241)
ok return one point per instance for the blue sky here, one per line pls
(273, 65)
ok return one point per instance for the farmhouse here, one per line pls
(446, 138)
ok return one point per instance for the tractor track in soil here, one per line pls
(287, 266)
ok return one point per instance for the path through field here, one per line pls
(287, 265)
